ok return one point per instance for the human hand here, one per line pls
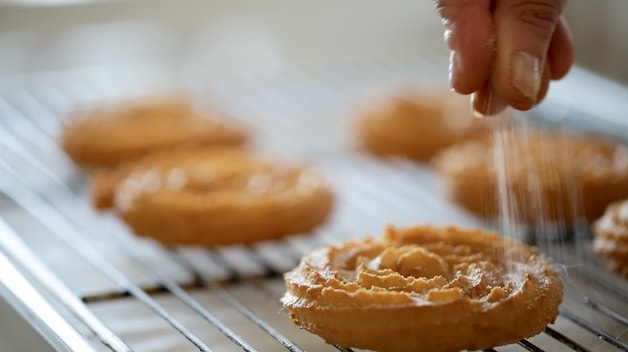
(505, 52)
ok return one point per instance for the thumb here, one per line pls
(524, 30)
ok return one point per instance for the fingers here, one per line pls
(561, 54)
(505, 52)
(487, 101)
(524, 30)
(470, 36)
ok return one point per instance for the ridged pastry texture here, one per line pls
(109, 134)
(548, 175)
(611, 237)
(213, 196)
(424, 289)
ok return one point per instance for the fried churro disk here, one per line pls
(611, 237)
(213, 196)
(109, 134)
(417, 123)
(547, 175)
(424, 289)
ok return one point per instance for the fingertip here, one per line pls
(517, 79)
(526, 74)
(486, 102)
(561, 53)
(524, 33)
(471, 55)
(511, 95)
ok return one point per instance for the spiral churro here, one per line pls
(213, 196)
(110, 134)
(417, 123)
(549, 175)
(415, 288)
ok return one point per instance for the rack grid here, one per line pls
(86, 283)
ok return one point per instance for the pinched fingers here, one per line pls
(505, 52)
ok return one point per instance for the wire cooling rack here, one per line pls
(85, 283)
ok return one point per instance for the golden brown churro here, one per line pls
(108, 135)
(417, 124)
(548, 175)
(425, 289)
(213, 196)
(611, 237)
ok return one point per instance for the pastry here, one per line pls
(536, 176)
(213, 196)
(611, 237)
(416, 123)
(109, 134)
(424, 289)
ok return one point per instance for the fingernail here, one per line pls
(474, 111)
(525, 74)
(478, 104)
(486, 103)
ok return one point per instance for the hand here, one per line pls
(505, 52)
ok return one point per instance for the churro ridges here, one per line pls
(408, 291)
(113, 133)
(213, 196)
(611, 237)
(548, 175)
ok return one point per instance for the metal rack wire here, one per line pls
(86, 283)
